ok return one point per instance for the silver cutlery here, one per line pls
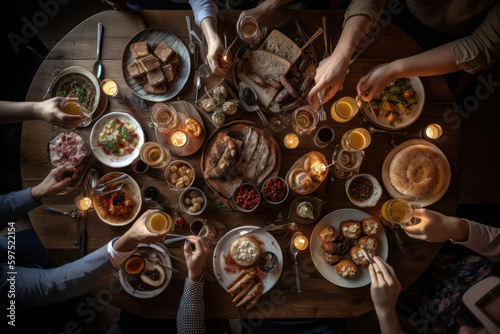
(97, 70)
(109, 191)
(295, 252)
(191, 44)
(73, 213)
(198, 39)
(361, 52)
(372, 130)
(175, 257)
(321, 111)
(83, 236)
(196, 79)
(254, 106)
(268, 228)
(102, 186)
(157, 261)
(326, 54)
(313, 37)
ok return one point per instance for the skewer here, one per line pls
(230, 46)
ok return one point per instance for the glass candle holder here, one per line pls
(304, 120)
(432, 132)
(356, 139)
(344, 109)
(291, 141)
(300, 241)
(110, 88)
(83, 203)
(178, 138)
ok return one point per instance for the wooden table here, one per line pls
(319, 297)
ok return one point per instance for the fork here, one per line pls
(322, 112)
(326, 54)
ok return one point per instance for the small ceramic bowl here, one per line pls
(168, 171)
(185, 207)
(370, 202)
(232, 199)
(287, 191)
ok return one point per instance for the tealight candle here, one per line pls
(291, 141)
(178, 138)
(84, 203)
(300, 242)
(110, 88)
(432, 131)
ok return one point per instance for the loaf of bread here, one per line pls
(280, 45)
(266, 64)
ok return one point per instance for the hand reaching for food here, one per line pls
(436, 227)
(373, 83)
(330, 76)
(137, 234)
(215, 47)
(55, 181)
(50, 111)
(385, 287)
(195, 258)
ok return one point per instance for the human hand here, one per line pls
(385, 287)
(375, 81)
(138, 233)
(471, 330)
(330, 76)
(260, 13)
(50, 111)
(55, 181)
(195, 258)
(214, 55)
(436, 227)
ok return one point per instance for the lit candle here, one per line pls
(433, 131)
(291, 141)
(178, 138)
(300, 242)
(110, 88)
(85, 203)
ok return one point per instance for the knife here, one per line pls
(83, 236)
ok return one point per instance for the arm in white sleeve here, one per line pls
(484, 240)
(203, 9)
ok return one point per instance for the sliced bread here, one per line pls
(279, 44)
(266, 64)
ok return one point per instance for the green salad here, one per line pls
(395, 100)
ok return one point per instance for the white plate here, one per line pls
(224, 246)
(161, 253)
(425, 201)
(334, 219)
(131, 188)
(407, 120)
(113, 160)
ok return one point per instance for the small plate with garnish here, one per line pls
(305, 209)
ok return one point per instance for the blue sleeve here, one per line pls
(36, 287)
(203, 9)
(14, 205)
(191, 314)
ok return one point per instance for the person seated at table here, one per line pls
(16, 204)
(48, 111)
(262, 10)
(205, 16)
(191, 313)
(437, 293)
(472, 53)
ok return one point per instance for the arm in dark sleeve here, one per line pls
(14, 205)
(191, 314)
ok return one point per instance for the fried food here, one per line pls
(368, 242)
(350, 229)
(246, 288)
(358, 257)
(370, 226)
(328, 234)
(331, 259)
(346, 269)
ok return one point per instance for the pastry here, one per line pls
(368, 242)
(328, 234)
(208, 105)
(245, 251)
(331, 259)
(358, 257)
(370, 226)
(418, 171)
(193, 127)
(300, 181)
(346, 269)
(313, 166)
(350, 229)
(229, 107)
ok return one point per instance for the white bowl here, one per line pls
(370, 202)
(183, 206)
(113, 160)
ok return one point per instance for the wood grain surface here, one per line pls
(319, 297)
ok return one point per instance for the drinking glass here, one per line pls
(356, 139)
(158, 222)
(324, 136)
(151, 195)
(210, 232)
(344, 109)
(164, 117)
(304, 120)
(249, 30)
(154, 155)
(140, 167)
(346, 163)
(403, 211)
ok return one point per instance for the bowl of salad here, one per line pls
(398, 106)
(116, 139)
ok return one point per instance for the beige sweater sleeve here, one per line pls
(371, 8)
(484, 240)
(482, 48)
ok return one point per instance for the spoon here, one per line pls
(295, 251)
(248, 98)
(73, 213)
(101, 186)
(372, 130)
(191, 44)
(97, 65)
(99, 193)
(156, 261)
